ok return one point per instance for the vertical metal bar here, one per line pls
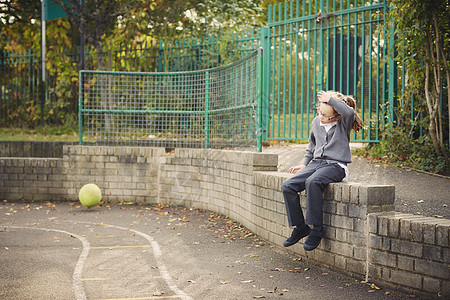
(259, 107)
(363, 69)
(207, 99)
(321, 50)
(80, 108)
(284, 37)
(273, 63)
(296, 74)
(279, 72)
(291, 49)
(308, 70)
(265, 43)
(392, 76)
(302, 77)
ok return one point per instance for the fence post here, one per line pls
(80, 108)
(207, 110)
(392, 74)
(260, 88)
(320, 78)
(265, 89)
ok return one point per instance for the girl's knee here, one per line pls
(312, 181)
(285, 187)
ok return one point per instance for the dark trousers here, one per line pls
(314, 178)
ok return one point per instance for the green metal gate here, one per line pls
(321, 45)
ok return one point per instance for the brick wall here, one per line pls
(364, 236)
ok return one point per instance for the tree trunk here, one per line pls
(431, 110)
(104, 93)
(438, 80)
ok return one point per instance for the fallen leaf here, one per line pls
(258, 297)
(224, 282)
(285, 290)
(278, 269)
(374, 286)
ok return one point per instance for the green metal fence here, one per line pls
(325, 45)
(19, 84)
(209, 52)
(308, 46)
(212, 108)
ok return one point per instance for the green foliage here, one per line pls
(400, 146)
(422, 42)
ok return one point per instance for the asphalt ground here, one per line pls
(65, 251)
(416, 192)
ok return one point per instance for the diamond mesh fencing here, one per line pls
(214, 108)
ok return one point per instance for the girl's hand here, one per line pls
(323, 96)
(296, 168)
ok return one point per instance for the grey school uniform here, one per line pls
(327, 153)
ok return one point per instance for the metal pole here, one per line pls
(82, 41)
(43, 85)
(259, 116)
(207, 110)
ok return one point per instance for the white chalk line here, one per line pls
(157, 254)
(76, 277)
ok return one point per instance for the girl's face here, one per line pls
(327, 114)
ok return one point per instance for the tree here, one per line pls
(96, 19)
(423, 45)
(16, 22)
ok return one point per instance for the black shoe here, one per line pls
(297, 235)
(313, 240)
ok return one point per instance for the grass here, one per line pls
(40, 134)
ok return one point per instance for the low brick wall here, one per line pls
(364, 237)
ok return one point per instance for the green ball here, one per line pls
(90, 195)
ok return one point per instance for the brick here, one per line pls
(374, 271)
(337, 192)
(341, 248)
(394, 227)
(406, 278)
(432, 252)
(442, 235)
(373, 223)
(375, 241)
(406, 247)
(342, 209)
(405, 263)
(342, 222)
(356, 211)
(360, 253)
(356, 266)
(376, 195)
(357, 238)
(345, 192)
(416, 231)
(431, 268)
(382, 258)
(354, 194)
(383, 222)
(340, 262)
(431, 285)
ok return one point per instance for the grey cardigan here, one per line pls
(333, 145)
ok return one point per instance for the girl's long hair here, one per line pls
(350, 101)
